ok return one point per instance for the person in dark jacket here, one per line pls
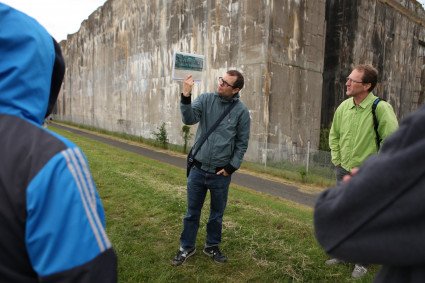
(52, 223)
(377, 215)
(220, 155)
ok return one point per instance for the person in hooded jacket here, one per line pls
(52, 223)
(376, 215)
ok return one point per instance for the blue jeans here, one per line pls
(198, 183)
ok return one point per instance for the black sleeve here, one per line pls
(103, 269)
(229, 169)
(185, 99)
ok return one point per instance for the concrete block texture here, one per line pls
(118, 74)
(294, 54)
(389, 34)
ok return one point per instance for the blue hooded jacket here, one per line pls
(52, 224)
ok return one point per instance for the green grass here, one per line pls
(267, 239)
(318, 176)
(124, 136)
(285, 170)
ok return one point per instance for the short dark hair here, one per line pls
(239, 78)
(370, 75)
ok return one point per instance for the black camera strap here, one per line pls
(204, 137)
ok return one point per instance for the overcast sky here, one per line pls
(61, 17)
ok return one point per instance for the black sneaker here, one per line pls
(181, 256)
(215, 254)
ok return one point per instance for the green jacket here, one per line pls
(226, 146)
(352, 136)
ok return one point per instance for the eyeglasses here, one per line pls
(224, 83)
(353, 81)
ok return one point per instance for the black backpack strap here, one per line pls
(376, 122)
(204, 137)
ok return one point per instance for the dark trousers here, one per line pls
(198, 183)
(340, 173)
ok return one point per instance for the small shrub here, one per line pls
(324, 139)
(303, 174)
(186, 135)
(161, 136)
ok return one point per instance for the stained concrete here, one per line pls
(295, 55)
(390, 35)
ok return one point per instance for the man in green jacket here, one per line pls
(218, 157)
(352, 137)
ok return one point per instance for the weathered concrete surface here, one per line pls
(389, 34)
(118, 73)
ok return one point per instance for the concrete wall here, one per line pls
(390, 35)
(295, 55)
(118, 74)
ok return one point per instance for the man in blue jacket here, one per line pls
(220, 155)
(52, 223)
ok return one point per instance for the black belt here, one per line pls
(198, 165)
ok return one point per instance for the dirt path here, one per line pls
(244, 179)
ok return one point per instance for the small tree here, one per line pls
(303, 174)
(186, 135)
(324, 139)
(161, 136)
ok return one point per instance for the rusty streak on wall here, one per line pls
(385, 33)
(118, 74)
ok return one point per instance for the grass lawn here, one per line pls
(267, 239)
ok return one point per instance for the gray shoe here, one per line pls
(215, 253)
(358, 271)
(333, 261)
(181, 256)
